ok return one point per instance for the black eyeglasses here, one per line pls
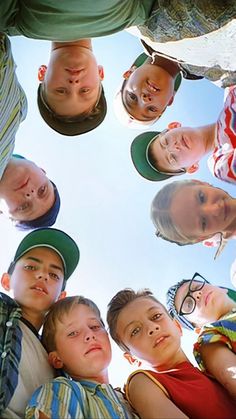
(189, 303)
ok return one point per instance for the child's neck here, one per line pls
(208, 136)
(102, 377)
(83, 43)
(174, 360)
(33, 317)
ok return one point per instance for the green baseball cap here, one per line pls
(139, 154)
(54, 239)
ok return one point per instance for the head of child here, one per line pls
(191, 211)
(173, 152)
(75, 337)
(145, 93)
(195, 302)
(27, 196)
(71, 98)
(142, 327)
(43, 262)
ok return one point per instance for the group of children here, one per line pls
(70, 361)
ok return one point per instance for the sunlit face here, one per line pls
(211, 302)
(37, 279)
(82, 343)
(25, 191)
(147, 92)
(72, 81)
(178, 148)
(149, 333)
(200, 211)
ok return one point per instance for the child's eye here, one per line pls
(132, 97)
(156, 316)
(172, 159)
(135, 331)
(85, 90)
(201, 197)
(42, 191)
(74, 333)
(61, 90)
(54, 276)
(96, 327)
(29, 267)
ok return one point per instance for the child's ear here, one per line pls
(62, 295)
(171, 101)
(101, 72)
(54, 360)
(128, 73)
(5, 281)
(132, 359)
(173, 125)
(41, 72)
(193, 168)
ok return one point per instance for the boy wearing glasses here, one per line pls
(197, 304)
(172, 387)
(160, 155)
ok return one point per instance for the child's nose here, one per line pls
(146, 97)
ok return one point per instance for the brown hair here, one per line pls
(118, 303)
(56, 314)
(160, 214)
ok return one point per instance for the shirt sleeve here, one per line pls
(222, 163)
(222, 331)
(56, 400)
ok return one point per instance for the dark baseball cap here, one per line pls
(76, 125)
(54, 239)
(139, 154)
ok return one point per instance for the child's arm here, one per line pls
(150, 401)
(220, 362)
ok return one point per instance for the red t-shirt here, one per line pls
(193, 392)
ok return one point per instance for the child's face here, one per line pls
(178, 148)
(82, 344)
(149, 333)
(25, 191)
(200, 211)
(72, 81)
(37, 280)
(211, 302)
(147, 92)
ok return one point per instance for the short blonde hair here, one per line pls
(56, 314)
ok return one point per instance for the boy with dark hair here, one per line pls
(172, 387)
(77, 342)
(26, 194)
(43, 262)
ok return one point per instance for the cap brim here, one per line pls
(75, 126)
(139, 155)
(56, 240)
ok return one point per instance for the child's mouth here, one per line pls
(152, 87)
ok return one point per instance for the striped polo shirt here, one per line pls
(222, 163)
(13, 103)
(65, 398)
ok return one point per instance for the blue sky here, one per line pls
(105, 203)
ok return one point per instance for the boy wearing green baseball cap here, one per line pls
(160, 155)
(43, 262)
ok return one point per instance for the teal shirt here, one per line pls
(69, 20)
